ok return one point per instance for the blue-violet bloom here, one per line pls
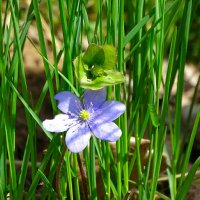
(82, 119)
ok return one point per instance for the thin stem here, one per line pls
(93, 171)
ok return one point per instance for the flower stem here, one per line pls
(93, 171)
(76, 184)
(69, 177)
(58, 172)
(84, 178)
(107, 171)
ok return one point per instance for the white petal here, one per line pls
(77, 138)
(60, 123)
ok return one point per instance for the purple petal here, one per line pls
(60, 123)
(108, 112)
(77, 137)
(96, 97)
(108, 131)
(68, 102)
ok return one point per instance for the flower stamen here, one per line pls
(84, 115)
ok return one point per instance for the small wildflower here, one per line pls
(82, 119)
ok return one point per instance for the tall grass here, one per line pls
(139, 30)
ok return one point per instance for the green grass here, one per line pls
(140, 31)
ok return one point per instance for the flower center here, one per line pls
(97, 71)
(84, 115)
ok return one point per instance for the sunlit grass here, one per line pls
(139, 31)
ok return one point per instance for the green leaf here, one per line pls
(47, 183)
(189, 146)
(135, 30)
(153, 115)
(98, 76)
(110, 57)
(182, 191)
(113, 77)
(29, 110)
(94, 55)
(1, 190)
(80, 67)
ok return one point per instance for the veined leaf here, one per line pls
(94, 55)
(93, 75)
(110, 57)
(113, 77)
(80, 67)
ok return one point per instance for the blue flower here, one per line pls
(82, 119)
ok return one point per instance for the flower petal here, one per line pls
(60, 123)
(96, 97)
(77, 137)
(68, 102)
(108, 131)
(108, 112)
